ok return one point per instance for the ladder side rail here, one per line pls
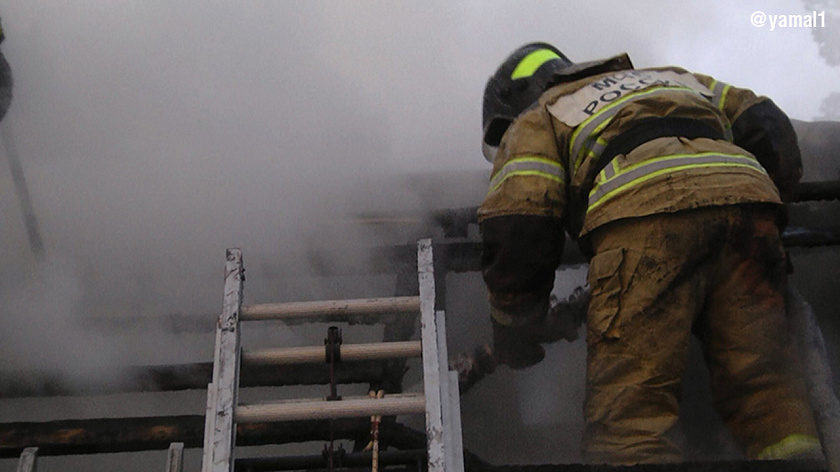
(28, 460)
(456, 438)
(175, 457)
(431, 360)
(450, 404)
(226, 369)
(209, 425)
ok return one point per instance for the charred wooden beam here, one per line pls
(817, 191)
(188, 377)
(96, 436)
(109, 435)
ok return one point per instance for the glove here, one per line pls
(517, 347)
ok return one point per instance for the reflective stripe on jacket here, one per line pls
(548, 161)
(671, 140)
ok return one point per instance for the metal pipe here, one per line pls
(321, 409)
(360, 307)
(349, 352)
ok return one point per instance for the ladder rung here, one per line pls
(352, 407)
(365, 306)
(349, 352)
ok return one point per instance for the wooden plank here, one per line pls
(431, 362)
(297, 410)
(349, 352)
(28, 460)
(226, 369)
(175, 457)
(358, 307)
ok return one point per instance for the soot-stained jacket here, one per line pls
(622, 144)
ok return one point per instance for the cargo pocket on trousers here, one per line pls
(605, 286)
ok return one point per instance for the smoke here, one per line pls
(40, 325)
(828, 36)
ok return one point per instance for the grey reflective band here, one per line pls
(529, 165)
(585, 135)
(719, 91)
(609, 171)
(646, 170)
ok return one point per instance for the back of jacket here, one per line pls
(606, 147)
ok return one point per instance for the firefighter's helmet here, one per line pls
(515, 86)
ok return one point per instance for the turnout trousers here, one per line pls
(721, 273)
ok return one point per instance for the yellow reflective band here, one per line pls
(532, 62)
(528, 162)
(622, 180)
(722, 100)
(586, 152)
(528, 165)
(535, 173)
(617, 103)
(647, 177)
(719, 92)
(576, 146)
(609, 168)
(791, 446)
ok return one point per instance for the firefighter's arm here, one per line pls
(522, 231)
(763, 129)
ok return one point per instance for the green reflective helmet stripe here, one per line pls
(533, 61)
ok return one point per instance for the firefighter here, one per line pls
(673, 183)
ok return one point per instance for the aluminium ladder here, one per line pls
(439, 401)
